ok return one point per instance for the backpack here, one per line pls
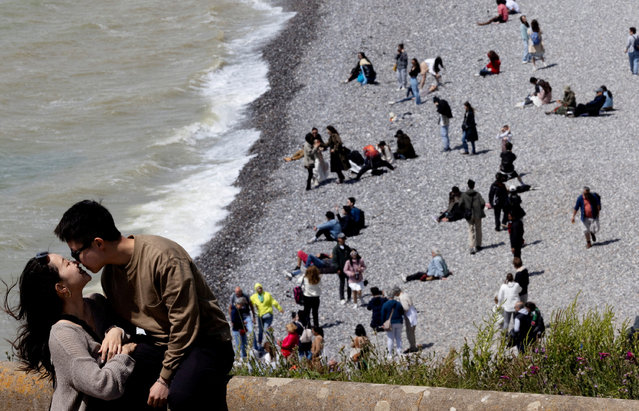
(370, 151)
(362, 219)
(538, 329)
(298, 295)
(636, 44)
(534, 37)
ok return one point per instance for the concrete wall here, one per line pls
(19, 391)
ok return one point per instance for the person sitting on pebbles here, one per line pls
(569, 102)
(437, 269)
(454, 211)
(329, 229)
(363, 71)
(405, 148)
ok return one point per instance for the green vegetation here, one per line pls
(579, 355)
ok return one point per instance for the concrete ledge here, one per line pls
(19, 391)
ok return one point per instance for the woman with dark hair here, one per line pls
(60, 333)
(536, 46)
(354, 270)
(339, 156)
(363, 71)
(493, 65)
(360, 346)
(311, 147)
(469, 128)
(502, 14)
(312, 290)
(412, 75)
(454, 211)
(608, 104)
(433, 66)
(507, 296)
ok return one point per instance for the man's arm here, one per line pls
(574, 211)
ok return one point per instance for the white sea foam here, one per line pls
(190, 210)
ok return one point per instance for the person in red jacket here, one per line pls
(291, 341)
(493, 65)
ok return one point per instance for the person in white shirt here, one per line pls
(512, 6)
(507, 297)
(311, 289)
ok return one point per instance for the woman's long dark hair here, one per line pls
(331, 130)
(534, 26)
(438, 64)
(492, 56)
(470, 108)
(39, 308)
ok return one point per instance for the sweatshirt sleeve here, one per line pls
(348, 269)
(181, 302)
(70, 354)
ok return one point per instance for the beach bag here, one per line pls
(298, 295)
(387, 326)
(535, 38)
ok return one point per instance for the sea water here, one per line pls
(140, 105)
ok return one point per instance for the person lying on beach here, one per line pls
(363, 71)
(493, 66)
(330, 229)
(502, 14)
(454, 211)
(322, 261)
(405, 148)
(437, 269)
(60, 335)
(373, 161)
(590, 109)
(568, 103)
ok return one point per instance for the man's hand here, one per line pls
(129, 348)
(572, 220)
(112, 344)
(158, 394)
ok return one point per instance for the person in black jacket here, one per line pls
(520, 334)
(592, 108)
(363, 71)
(497, 197)
(516, 232)
(507, 166)
(469, 128)
(445, 114)
(341, 253)
(522, 278)
(375, 305)
(404, 146)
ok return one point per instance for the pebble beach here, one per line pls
(273, 215)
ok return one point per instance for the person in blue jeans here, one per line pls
(246, 312)
(633, 53)
(445, 114)
(264, 302)
(238, 328)
(413, 73)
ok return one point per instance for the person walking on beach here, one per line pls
(264, 302)
(339, 155)
(375, 305)
(522, 278)
(536, 46)
(311, 288)
(445, 114)
(507, 297)
(632, 48)
(247, 312)
(341, 253)
(469, 128)
(523, 28)
(590, 205)
(401, 63)
(393, 310)
(354, 270)
(473, 204)
(497, 198)
(311, 147)
(152, 283)
(515, 233)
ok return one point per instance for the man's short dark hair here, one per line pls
(508, 145)
(471, 184)
(330, 215)
(85, 221)
(533, 80)
(633, 30)
(352, 200)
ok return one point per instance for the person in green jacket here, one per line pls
(264, 302)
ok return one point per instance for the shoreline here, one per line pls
(221, 255)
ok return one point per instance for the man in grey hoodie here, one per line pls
(473, 205)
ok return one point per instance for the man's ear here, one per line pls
(99, 242)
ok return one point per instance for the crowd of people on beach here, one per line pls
(160, 337)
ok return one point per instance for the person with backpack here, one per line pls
(445, 114)
(358, 215)
(632, 48)
(473, 205)
(536, 46)
(520, 334)
(373, 161)
(375, 306)
(304, 347)
(311, 289)
(354, 270)
(590, 206)
(349, 226)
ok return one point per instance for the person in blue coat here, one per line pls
(330, 229)
(393, 309)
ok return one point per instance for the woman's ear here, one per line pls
(61, 289)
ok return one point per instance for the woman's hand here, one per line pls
(112, 343)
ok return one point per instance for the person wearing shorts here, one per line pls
(590, 205)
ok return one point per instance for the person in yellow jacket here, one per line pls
(264, 303)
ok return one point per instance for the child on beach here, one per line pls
(505, 135)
